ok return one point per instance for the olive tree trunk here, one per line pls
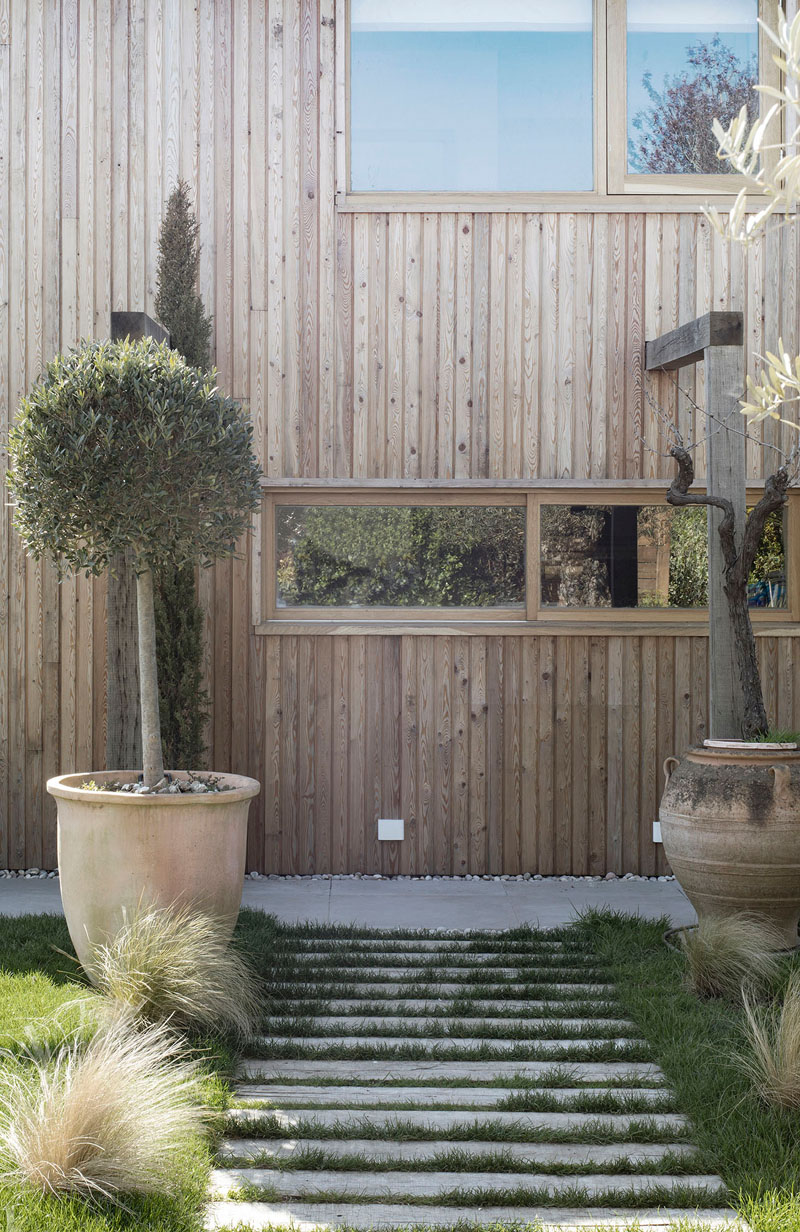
(152, 755)
(738, 561)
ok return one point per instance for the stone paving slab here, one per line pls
(299, 1183)
(444, 1071)
(470, 1097)
(422, 1118)
(308, 1217)
(534, 1154)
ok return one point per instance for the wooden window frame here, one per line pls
(615, 190)
(534, 616)
(419, 497)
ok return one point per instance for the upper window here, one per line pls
(525, 97)
(688, 63)
(469, 95)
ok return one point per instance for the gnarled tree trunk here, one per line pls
(738, 564)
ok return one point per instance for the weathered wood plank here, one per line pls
(686, 344)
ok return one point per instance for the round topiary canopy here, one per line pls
(124, 445)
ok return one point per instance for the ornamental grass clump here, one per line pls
(727, 955)
(123, 447)
(100, 1121)
(772, 1061)
(175, 965)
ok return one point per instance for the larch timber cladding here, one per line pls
(366, 345)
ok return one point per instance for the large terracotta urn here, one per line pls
(117, 851)
(730, 824)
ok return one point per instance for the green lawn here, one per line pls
(44, 1000)
(754, 1149)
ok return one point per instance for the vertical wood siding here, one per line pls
(401, 345)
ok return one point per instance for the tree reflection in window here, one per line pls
(686, 66)
(647, 556)
(400, 556)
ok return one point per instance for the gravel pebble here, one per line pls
(254, 876)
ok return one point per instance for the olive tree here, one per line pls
(766, 154)
(123, 446)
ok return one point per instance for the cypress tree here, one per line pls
(179, 618)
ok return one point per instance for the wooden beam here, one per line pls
(688, 343)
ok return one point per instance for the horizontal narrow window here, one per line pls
(643, 556)
(478, 96)
(400, 556)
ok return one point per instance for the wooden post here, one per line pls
(123, 715)
(726, 477)
(717, 339)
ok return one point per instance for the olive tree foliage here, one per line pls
(124, 446)
(766, 154)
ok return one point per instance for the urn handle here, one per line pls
(670, 764)
(782, 777)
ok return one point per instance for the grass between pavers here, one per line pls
(577, 1050)
(569, 1005)
(44, 1001)
(556, 1076)
(523, 1101)
(454, 1028)
(754, 1148)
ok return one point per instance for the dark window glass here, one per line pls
(400, 556)
(646, 556)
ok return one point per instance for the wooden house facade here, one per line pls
(392, 348)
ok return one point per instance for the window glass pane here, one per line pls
(689, 61)
(471, 95)
(400, 556)
(643, 557)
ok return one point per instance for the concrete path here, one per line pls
(317, 1139)
(444, 903)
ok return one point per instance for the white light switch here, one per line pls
(656, 831)
(391, 829)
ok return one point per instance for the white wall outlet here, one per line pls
(391, 829)
(656, 831)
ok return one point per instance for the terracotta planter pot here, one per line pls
(117, 851)
(730, 824)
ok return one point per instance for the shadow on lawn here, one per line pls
(31, 943)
